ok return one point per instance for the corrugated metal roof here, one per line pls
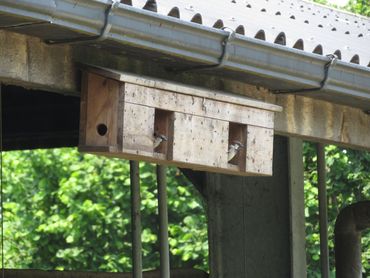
(294, 23)
(195, 39)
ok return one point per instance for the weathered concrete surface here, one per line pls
(296, 208)
(28, 62)
(249, 222)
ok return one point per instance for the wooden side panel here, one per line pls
(259, 150)
(83, 109)
(199, 140)
(138, 128)
(101, 105)
(198, 106)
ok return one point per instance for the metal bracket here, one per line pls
(103, 34)
(223, 58)
(328, 65)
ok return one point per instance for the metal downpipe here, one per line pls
(323, 211)
(136, 220)
(351, 221)
(163, 222)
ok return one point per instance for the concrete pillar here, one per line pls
(250, 219)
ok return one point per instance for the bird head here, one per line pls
(161, 136)
(238, 144)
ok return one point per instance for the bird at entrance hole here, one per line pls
(234, 148)
(158, 139)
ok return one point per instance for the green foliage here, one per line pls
(361, 7)
(65, 210)
(348, 181)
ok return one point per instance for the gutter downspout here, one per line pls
(350, 222)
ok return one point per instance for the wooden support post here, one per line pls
(137, 267)
(323, 211)
(163, 221)
(249, 221)
(297, 217)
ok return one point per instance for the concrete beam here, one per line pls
(28, 62)
(296, 209)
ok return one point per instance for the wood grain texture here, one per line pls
(199, 106)
(138, 128)
(259, 150)
(101, 110)
(199, 140)
(183, 89)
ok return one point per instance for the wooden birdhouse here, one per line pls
(133, 117)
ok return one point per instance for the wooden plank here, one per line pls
(83, 109)
(199, 140)
(259, 150)
(138, 128)
(101, 111)
(198, 106)
(32, 273)
(183, 89)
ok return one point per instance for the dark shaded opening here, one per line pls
(174, 12)
(355, 59)
(299, 44)
(38, 119)
(150, 5)
(197, 18)
(218, 24)
(240, 30)
(318, 50)
(102, 129)
(260, 35)
(127, 2)
(338, 54)
(280, 39)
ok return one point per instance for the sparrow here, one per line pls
(158, 139)
(233, 150)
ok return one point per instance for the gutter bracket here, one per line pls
(328, 65)
(223, 58)
(103, 34)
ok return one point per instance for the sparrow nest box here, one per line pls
(132, 117)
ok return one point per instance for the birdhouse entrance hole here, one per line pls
(163, 129)
(237, 134)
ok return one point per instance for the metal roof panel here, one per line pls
(299, 20)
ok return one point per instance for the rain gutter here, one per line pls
(275, 66)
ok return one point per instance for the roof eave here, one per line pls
(272, 65)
